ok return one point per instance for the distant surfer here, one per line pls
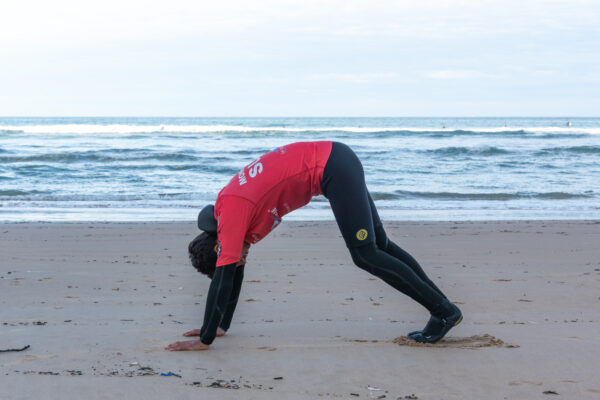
(252, 205)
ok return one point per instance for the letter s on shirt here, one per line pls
(255, 169)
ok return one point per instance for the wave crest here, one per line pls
(498, 196)
(129, 129)
(457, 151)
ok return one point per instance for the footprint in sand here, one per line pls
(519, 383)
(471, 342)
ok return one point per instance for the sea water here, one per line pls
(158, 169)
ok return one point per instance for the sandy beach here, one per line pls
(98, 302)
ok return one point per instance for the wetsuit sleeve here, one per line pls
(234, 219)
(219, 294)
(233, 298)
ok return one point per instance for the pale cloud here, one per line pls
(357, 78)
(63, 22)
(60, 22)
(460, 74)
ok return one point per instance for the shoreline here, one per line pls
(104, 298)
(177, 214)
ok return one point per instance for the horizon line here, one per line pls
(298, 116)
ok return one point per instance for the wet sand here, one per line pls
(97, 303)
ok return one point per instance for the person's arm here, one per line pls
(219, 294)
(220, 305)
(233, 222)
(233, 298)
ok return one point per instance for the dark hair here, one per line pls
(202, 253)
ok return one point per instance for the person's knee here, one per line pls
(363, 256)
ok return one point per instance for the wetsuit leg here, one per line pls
(385, 244)
(397, 274)
(344, 185)
(435, 323)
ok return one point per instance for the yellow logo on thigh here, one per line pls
(362, 234)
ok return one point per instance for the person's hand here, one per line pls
(196, 332)
(187, 345)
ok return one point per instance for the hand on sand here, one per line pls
(187, 345)
(196, 332)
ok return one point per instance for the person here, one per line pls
(252, 204)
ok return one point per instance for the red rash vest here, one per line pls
(277, 183)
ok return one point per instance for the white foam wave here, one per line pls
(127, 129)
(95, 199)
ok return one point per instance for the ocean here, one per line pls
(166, 168)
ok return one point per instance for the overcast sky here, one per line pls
(300, 58)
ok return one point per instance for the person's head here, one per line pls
(202, 253)
(204, 250)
